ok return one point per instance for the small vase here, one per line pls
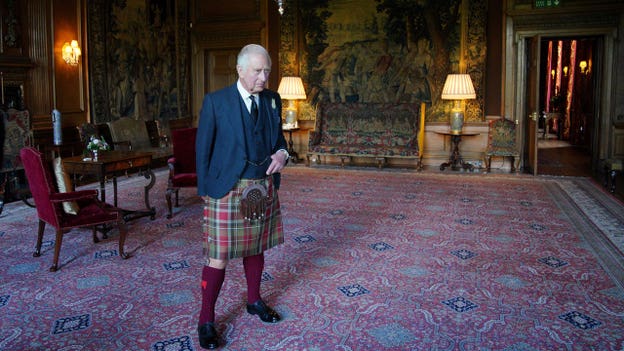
(95, 155)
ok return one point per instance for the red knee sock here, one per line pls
(212, 280)
(253, 272)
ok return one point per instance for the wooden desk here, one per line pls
(111, 164)
(456, 162)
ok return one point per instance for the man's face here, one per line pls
(254, 76)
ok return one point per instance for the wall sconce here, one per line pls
(585, 67)
(71, 52)
(291, 88)
(458, 87)
(565, 71)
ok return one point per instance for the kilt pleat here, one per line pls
(228, 235)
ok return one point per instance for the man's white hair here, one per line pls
(243, 56)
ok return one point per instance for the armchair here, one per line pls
(502, 142)
(91, 212)
(182, 172)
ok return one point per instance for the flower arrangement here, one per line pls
(96, 144)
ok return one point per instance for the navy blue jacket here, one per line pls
(220, 146)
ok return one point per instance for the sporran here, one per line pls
(254, 202)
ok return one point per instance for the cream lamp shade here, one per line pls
(291, 88)
(458, 87)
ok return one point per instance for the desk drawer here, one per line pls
(128, 164)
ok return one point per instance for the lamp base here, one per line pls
(291, 118)
(456, 120)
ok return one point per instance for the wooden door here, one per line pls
(220, 68)
(532, 100)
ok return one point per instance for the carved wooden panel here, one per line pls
(11, 27)
(211, 11)
(618, 142)
(14, 65)
(69, 80)
(222, 72)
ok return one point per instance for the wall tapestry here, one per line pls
(387, 51)
(138, 56)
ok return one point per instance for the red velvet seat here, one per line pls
(182, 172)
(48, 201)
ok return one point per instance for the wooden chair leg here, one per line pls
(123, 233)
(37, 252)
(380, 162)
(168, 197)
(57, 250)
(342, 160)
(95, 237)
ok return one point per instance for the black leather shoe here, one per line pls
(208, 338)
(266, 313)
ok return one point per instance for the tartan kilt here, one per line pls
(228, 235)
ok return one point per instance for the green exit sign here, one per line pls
(547, 3)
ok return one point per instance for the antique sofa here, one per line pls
(368, 131)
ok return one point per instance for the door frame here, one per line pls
(516, 68)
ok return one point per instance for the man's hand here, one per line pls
(278, 162)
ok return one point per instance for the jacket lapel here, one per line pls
(234, 115)
(268, 108)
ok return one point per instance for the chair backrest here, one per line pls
(502, 134)
(130, 129)
(41, 184)
(183, 141)
(179, 123)
(16, 124)
(86, 131)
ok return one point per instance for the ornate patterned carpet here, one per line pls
(373, 260)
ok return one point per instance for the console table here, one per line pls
(111, 164)
(456, 162)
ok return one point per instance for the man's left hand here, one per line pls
(278, 162)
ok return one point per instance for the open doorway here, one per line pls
(567, 104)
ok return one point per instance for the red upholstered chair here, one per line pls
(48, 201)
(182, 172)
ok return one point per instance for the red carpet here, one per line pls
(373, 260)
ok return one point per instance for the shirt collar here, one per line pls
(244, 93)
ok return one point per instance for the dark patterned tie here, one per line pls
(254, 108)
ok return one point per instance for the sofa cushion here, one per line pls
(64, 184)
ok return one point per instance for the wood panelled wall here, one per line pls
(70, 82)
(36, 60)
(219, 31)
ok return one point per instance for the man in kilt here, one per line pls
(240, 151)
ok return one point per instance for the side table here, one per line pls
(456, 162)
(294, 156)
(612, 167)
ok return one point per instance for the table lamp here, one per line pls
(291, 89)
(458, 87)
